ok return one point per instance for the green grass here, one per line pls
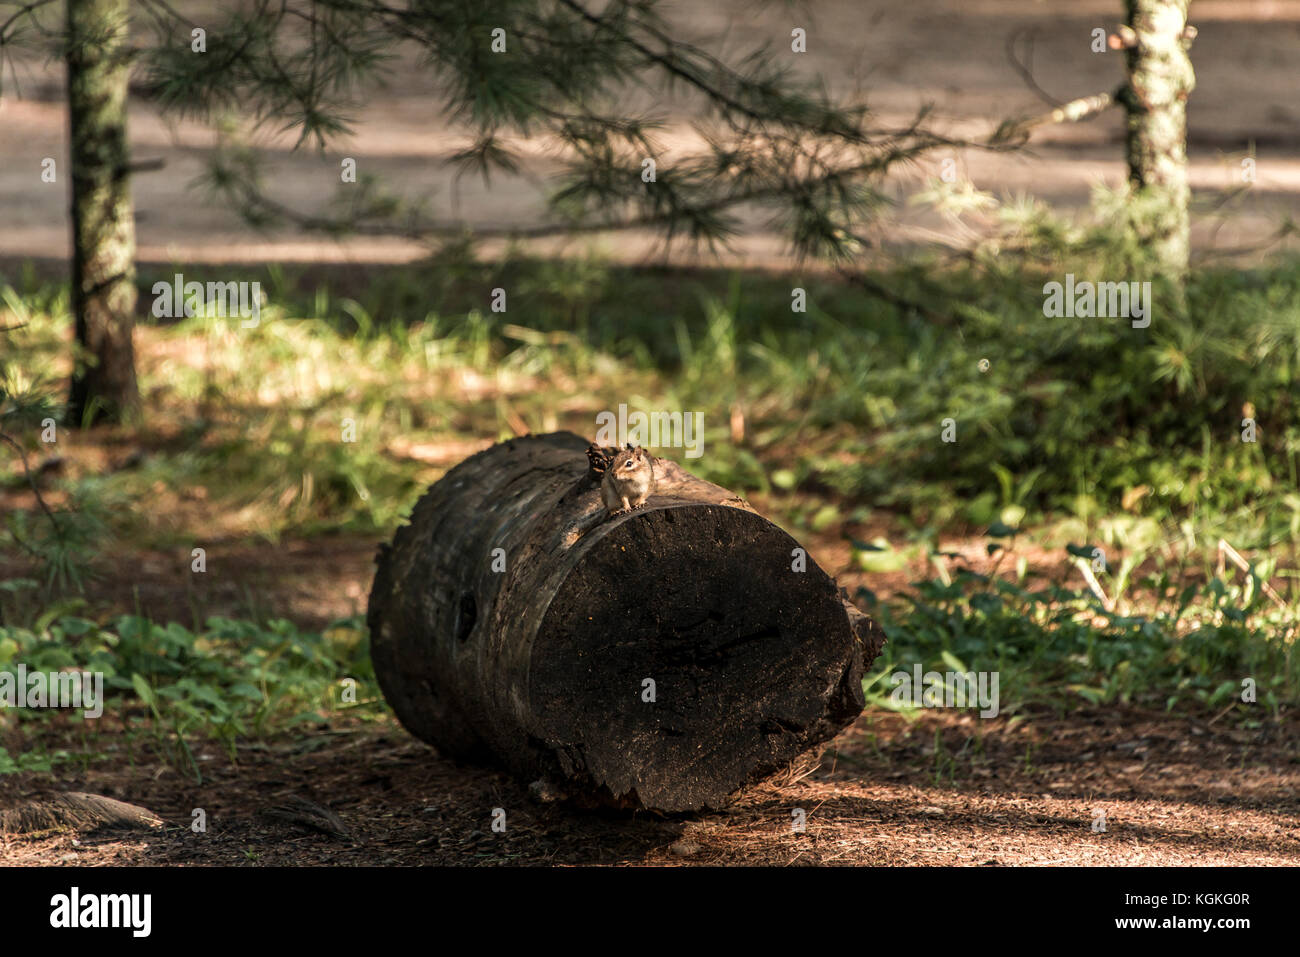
(1083, 432)
(229, 681)
(1072, 417)
(1056, 647)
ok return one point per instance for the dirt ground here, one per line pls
(1000, 792)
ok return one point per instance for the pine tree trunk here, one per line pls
(661, 658)
(1160, 80)
(103, 228)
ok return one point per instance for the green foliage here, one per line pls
(230, 681)
(1057, 647)
(1085, 416)
(62, 540)
(64, 544)
(28, 761)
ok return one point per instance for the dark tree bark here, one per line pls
(1160, 79)
(103, 229)
(541, 665)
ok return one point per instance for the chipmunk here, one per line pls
(628, 480)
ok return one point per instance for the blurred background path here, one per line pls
(952, 53)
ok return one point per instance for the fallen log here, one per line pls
(661, 658)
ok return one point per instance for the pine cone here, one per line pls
(601, 459)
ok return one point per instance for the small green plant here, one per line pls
(1055, 646)
(945, 764)
(230, 681)
(29, 761)
(65, 541)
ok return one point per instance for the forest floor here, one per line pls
(945, 790)
(942, 789)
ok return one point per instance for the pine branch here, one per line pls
(24, 10)
(27, 472)
(257, 203)
(786, 144)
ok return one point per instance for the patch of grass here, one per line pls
(230, 681)
(305, 422)
(1060, 648)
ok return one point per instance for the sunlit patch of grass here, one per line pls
(848, 397)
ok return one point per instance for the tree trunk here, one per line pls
(103, 229)
(663, 658)
(1160, 78)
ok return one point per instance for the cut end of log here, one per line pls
(704, 660)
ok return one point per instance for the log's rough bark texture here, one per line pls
(103, 225)
(513, 622)
(1160, 79)
(76, 811)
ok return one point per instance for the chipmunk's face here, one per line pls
(630, 460)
